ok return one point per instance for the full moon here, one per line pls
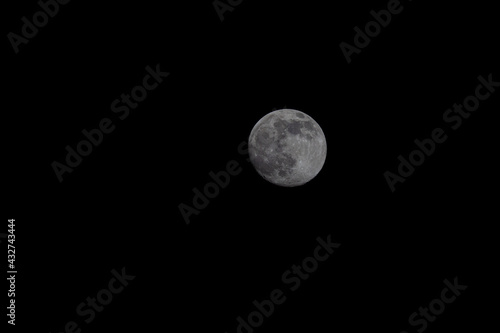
(287, 147)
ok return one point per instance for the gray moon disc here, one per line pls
(287, 147)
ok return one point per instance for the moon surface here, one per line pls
(287, 147)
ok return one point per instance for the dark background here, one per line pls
(119, 208)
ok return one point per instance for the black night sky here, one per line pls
(116, 114)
